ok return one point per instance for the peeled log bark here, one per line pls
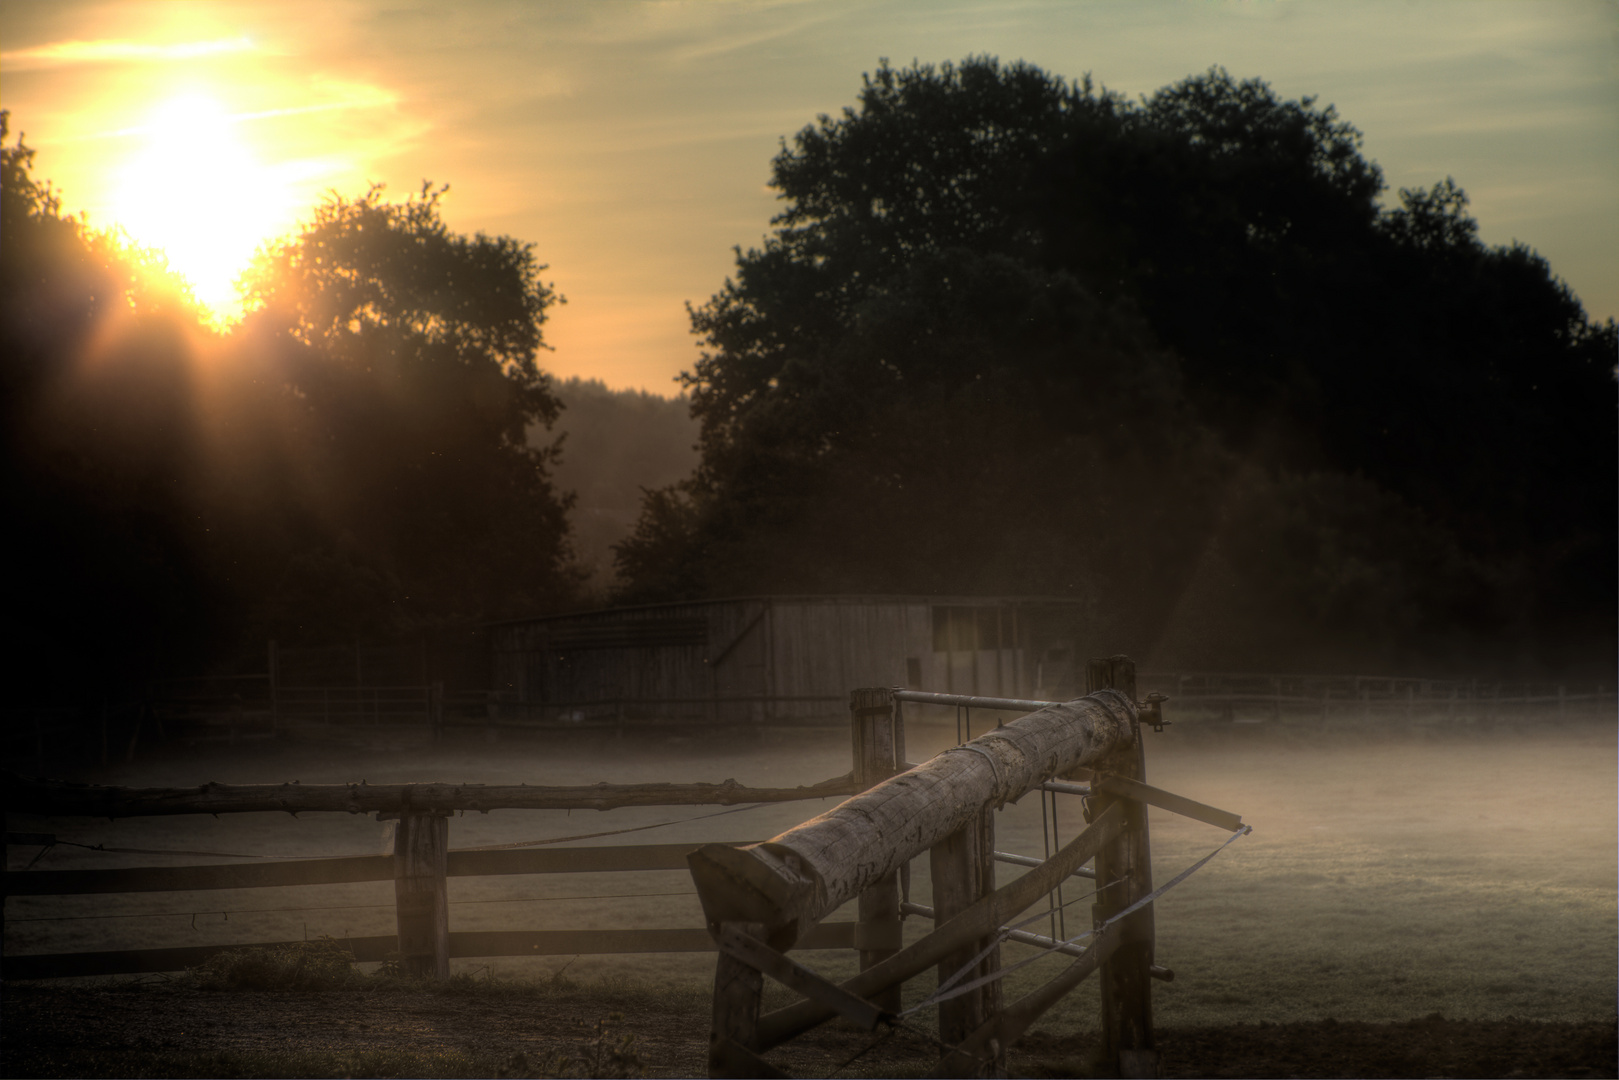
(793, 881)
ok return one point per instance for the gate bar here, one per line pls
(972, 701)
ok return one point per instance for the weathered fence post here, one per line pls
(738, 989)
(879, 752)
(1124, 875)
(963, 872)
(421, 898)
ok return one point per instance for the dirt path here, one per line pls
(169, 1030)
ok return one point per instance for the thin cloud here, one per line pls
(64, 53)
(359, 96)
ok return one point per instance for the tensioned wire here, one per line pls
(948, 989)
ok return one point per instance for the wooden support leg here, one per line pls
(733, 1039)
(879, 741)
(421, 847)
(1124, 875)
(963, 870)
(879, 934)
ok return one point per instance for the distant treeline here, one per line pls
(1009, 335)
(616, 445)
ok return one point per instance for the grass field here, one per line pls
(1387, 878)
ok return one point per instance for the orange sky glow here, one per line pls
(631, 142)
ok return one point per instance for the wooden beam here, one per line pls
(963, 871)
(58, 798)
(998, 1032)
(421, 898)
(1127, 788)
(1123, 875)
(256, 875)
(463, 944)
(981, 918)
(187, 878)
(878, 743)
(793, 975)
(738, 989)
(794, 880)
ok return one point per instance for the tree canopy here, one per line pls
(352, 459)
(1057, 341)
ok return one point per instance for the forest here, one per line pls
(1184, 357)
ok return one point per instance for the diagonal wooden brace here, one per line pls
(1125, 788)
(795, 976)
(1010, 1024)
(983, 917)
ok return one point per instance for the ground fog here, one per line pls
(1388, 877)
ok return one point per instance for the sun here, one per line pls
(195, 190)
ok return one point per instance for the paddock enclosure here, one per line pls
(1464, 868)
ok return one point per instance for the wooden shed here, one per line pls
(778, 658)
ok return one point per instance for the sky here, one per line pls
(630, 142)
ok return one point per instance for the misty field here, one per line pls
(1387, 878)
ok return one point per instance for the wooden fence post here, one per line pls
(733, 1038)
(421, 898)
(963, 871)
(1124, 875)
(879, 752)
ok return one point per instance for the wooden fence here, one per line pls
(760, 899)
(763, 900)
(419, 866)
(1349, 701)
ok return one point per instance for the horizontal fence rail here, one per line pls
(420, 810)
(463, 944)
(60, 799)
(339, 871)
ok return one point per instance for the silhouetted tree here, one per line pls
(406, 361)
(1160, 298)
(352, 460)
(98, 441)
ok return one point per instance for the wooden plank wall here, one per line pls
(773, 658)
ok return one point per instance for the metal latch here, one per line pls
(1151, 711)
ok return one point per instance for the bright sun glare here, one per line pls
(197, 192)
